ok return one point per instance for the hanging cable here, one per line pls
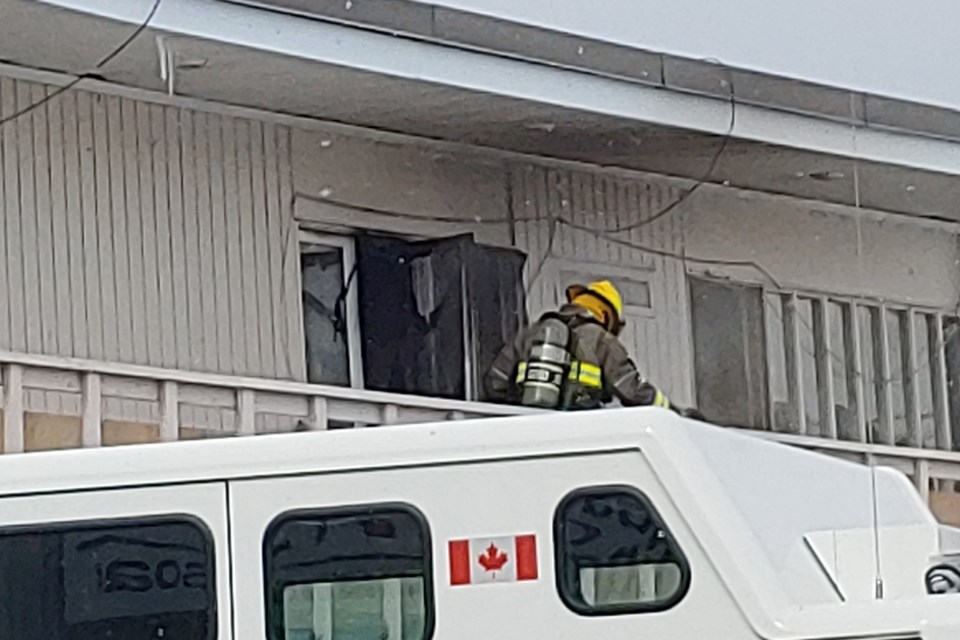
(547, 254)
(106, 59)
(555, 222)
(359, 208)
(756, 266)
(706, 177)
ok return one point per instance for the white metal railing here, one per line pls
(96, 392)
(924, 466)
(859, 370)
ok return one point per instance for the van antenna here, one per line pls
(878, 594)
(874, 497)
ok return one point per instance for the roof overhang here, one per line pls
(320, 68)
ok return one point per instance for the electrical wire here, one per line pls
(554, 222)
(667, 210)
(119, 49)
(707, 176)
(359, 208)
(759, 268)
(752, 264)
(606, 234)
(547, 254)
(934, 353)
(39, 103)
(105, 60)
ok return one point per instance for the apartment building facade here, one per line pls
(252, 200)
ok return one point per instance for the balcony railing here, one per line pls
(201, 404)
(183, 404)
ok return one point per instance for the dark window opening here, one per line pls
(729, 353)
(434, 314)
(349, 574)
(108, 580)
(614, 554)
(420, 317)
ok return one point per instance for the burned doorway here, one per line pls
(424, 317)
(434, 313)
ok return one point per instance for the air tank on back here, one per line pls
(547, 365)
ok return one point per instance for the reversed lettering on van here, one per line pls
(113, 574)
(492, 560)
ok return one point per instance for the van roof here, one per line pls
(761, 511)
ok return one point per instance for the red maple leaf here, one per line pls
(493, 559)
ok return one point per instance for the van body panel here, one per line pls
(205, 505)
(493, 499)
(740, 510)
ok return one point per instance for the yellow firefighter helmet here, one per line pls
(603, 291)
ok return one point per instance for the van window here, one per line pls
(614, 555)
(108, 579)
(349, 574)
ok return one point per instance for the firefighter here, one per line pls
(572, 358)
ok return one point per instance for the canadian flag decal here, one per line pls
(490, 560)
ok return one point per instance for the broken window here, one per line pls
(435, 313)
(424, 317)
(834, 368)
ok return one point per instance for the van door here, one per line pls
(124, 563)
(469, 551)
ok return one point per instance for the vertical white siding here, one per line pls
(559, 215)
(146, 234)
(8, 224)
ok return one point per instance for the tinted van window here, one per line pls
(350, 574)
(108, 580)
(614, 554)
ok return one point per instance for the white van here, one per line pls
(607, 524)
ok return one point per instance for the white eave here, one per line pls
(322, 69)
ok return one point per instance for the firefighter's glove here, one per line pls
(693, 414)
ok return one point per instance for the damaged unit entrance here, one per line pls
(422, 317)
(328, 269)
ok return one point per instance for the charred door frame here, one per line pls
(348, 248)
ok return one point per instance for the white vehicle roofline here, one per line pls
(218, 459)
(666, 440)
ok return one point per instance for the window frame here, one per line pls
(347, 246)
(357, 510)
(757, 386)
(61, 527)
(567, 272)
(577, 605)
